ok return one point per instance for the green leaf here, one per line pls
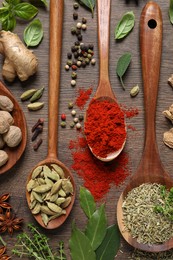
(110, 244)
(4, 13)
(171, 11)
(25, 11)
(80, 246)
(122, 66)
(90, 4)
(87, 202)
(9, 24)
(125, 25)
(33, 33)
(96, 227)
(44, 2)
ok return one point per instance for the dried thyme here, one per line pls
(140, 218)
(142, 255)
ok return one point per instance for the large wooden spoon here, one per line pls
(104, 90)
(56, 21)
(15, 153)
(150, 169)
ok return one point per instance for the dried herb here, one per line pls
(122, 65)
(90, 4)
(33, 33)
(35, 245)
(125, 25)
(83, 245)
(171, 11)
(140, 218)
(110, 244)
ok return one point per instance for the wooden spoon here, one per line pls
(56, 21)
(104, 90)
(150, 169)
(15, 153)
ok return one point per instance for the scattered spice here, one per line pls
(37, 131)
(8, 222)
(39, 122)
(3, 256)
(37, 144)
(140, 218)
(98, 176)
(3, 202)
(143, 255)
(104, 127)
(83, 97)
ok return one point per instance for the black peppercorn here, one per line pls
(73, 49)
(69, 55)
(91, 47)
(75, 16)
(75, 5)
(79, 37)
(78, 31)
(87, 61)
(83, 64)
(73, 75)
(74, 62)
(76, 55)
(77, 43)
(84, 20)
(73, 30)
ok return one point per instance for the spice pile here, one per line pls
(140, 217)
(98, 176)
(105, 127)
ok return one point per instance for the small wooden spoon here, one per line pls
(150, 169)
(56, 21)
(104, 90)
(15, 153)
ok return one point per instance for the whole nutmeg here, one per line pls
(7, 116)
(6, 104)
(4, 125)
(13, 137)
(3, 157)
(2, 143)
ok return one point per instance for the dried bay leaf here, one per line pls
(87, 202)
(110, 244)
(80, 246)
(96, 227)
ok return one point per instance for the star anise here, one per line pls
(3, 203)
(8, 222)
(3, 256)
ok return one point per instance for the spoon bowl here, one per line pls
(104, 90)
(150, 169)
(15, 153)
(56, 21)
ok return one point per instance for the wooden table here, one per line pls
(14, 181)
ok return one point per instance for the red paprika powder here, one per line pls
(83, 96)
(105, 127)
(98, 176)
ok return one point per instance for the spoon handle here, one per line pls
(151, 47)
(103, 7)
(56, 21)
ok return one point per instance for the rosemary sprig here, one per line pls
(36, 246)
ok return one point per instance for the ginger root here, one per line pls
(19, 60)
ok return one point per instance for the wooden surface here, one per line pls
(14, 181)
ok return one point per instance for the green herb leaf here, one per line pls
(125, 25)
(90, 4)
(122, 66)
(110, 244)
(4, 13)
(33, 33)
(80, 246)
(87, 202)
(9, 23)
(25, 11)
(44, 2)
(171, 11)
(96, 227)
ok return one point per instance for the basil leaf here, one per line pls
(90, 4)
(33, 33)
(25, 11)
(122, 66)
(80, 246)
(110, 244)
(9, 24)
(171, 11)
(4, 13)
(96, 227)
(125, 25)
(87, 202)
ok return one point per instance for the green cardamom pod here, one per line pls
(35, 106)
(134, 91)
(27, 94)
(37, 95)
